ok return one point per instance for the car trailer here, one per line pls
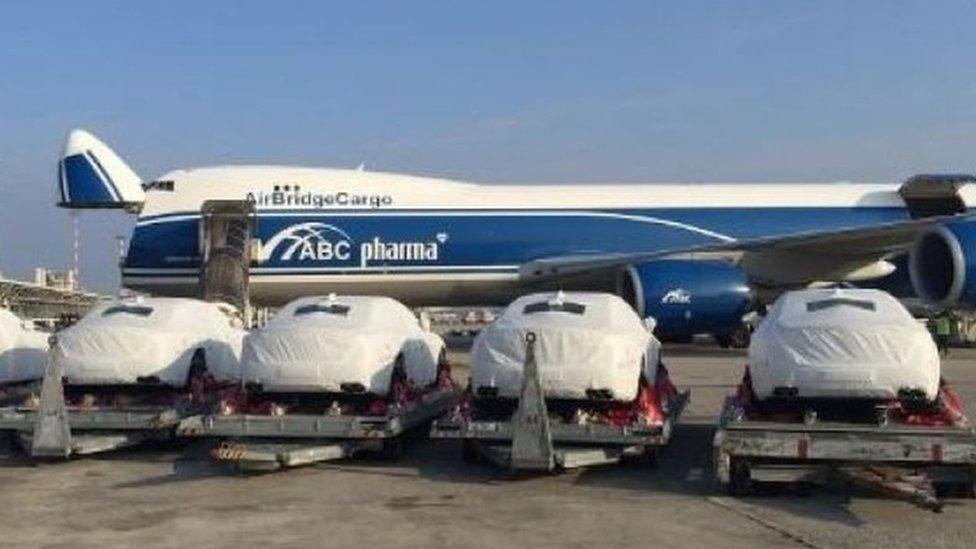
(47, 427)
(917, 463)
(266, 442)
(530, 441)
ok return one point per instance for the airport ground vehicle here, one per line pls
(844, 383)
(127, 373)
(326, 378)
(563, 381)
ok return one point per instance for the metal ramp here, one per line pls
(270, 455)
(226, 227)
(532, 447)
(52, 433)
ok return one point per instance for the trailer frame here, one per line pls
(269, 442)
(51, 429)
(913, 462)
(530, 441)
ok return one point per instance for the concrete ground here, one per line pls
(168, 498)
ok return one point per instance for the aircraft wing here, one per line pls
(826, 249)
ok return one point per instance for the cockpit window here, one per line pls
(814, 306)
(138, 310)
(328, 308)
(162, 185)
(550, 306)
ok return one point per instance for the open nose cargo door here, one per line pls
(92, 176)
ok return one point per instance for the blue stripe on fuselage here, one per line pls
(481, 238)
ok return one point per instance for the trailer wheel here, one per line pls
(7, 440)
(740, 478)
(962, 490)
(393, 448)
(804, 488)
(647, 457)
(968, 488)
(469, 452)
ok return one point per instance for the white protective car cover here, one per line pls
(120, 341)
(23, 349)
(605, 347)
(316, 344)
(848, 343)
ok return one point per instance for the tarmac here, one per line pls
(165, 497)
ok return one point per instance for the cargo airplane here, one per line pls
(697, 257)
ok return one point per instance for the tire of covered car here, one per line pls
(443, 368)
(198, 365)
(398, 378)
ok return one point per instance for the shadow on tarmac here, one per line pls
(686, 468)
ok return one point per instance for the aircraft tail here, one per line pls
(91, 175)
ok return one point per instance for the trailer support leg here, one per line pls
(52, 433)
(532, 439)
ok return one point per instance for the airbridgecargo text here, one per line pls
(319, 200)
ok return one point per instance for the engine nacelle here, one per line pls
(942, 266)
(688, 297)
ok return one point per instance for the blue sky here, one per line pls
(493, 91)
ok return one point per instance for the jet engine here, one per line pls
(942, 266)
(688, 297)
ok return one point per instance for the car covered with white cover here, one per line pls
(842, 343)
(333, 344)
(586, 343)
(151, 340)
(23, 349)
